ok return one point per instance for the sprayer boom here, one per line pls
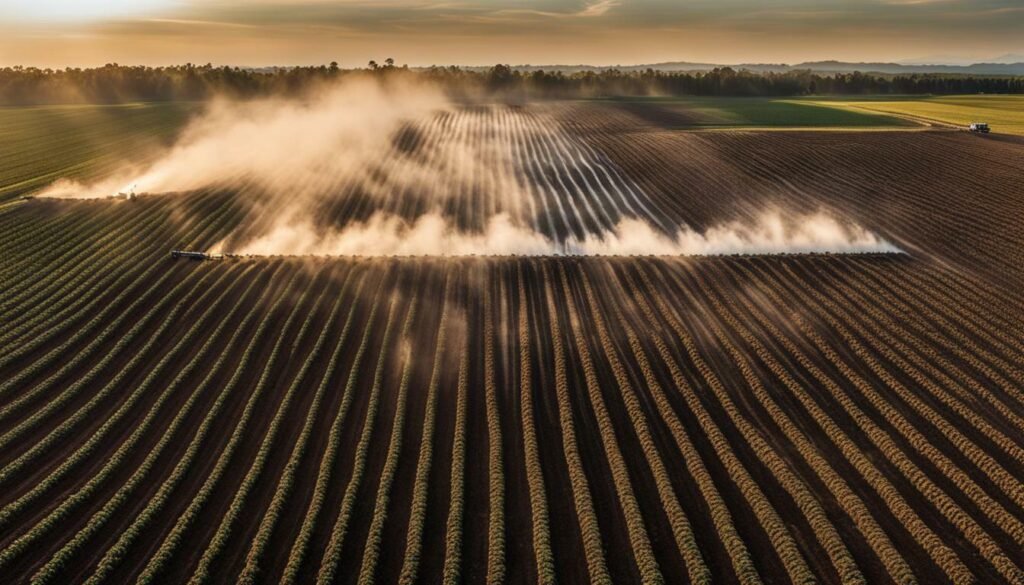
(192, 255)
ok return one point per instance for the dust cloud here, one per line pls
(769, 234)
(291, 156)
(291, 147)
(432, 235)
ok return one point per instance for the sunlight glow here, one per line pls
(81, 10)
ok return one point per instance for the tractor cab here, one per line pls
(980, 127)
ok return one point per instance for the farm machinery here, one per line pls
(193, 255)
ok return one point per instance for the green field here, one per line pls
(735, 112)
(1005, 113)
(41, 144)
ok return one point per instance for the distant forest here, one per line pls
(115, 83)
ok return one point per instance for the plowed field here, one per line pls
(810, 418)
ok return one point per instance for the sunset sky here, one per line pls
(56, 33)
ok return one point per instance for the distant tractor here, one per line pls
(127, 196)
(980, 127)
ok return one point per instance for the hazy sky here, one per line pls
(288, 32)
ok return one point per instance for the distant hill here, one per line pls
(817, 66)
(896, 68)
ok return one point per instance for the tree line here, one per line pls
(115, 83)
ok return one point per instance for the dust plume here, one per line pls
(393, 167)
(383, 235)
(770, 234)
(432, 235)
(291, 147)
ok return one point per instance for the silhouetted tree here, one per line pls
(115, 83)
(500, 76)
